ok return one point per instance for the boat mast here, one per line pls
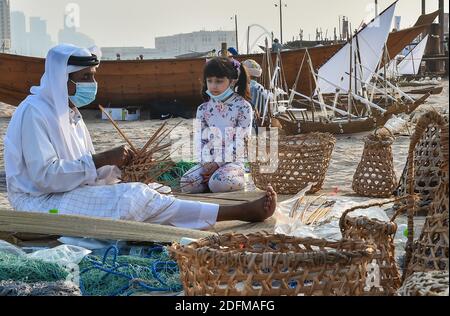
(319, 93)
(349, 106)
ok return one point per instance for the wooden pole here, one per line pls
(236, 28)
(281, 23)
(349, 105)
(248, 39)
(223, 50)
(441, 24)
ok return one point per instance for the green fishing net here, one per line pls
(23, 269)
(172, 177)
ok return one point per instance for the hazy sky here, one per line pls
(138, 22)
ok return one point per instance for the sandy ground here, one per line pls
(345, 158)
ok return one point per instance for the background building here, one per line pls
(5, 26)
(39, 40)
(19, 34)
(201, 41)
(129, 53)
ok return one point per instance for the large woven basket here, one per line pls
(430, 251)
(428, 159)
(381, 234)
(375, 174)
(300, 160)
(433, 283)
(263, 264)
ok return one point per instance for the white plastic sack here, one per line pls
(11, 249)
(64, 254)
(395, 124)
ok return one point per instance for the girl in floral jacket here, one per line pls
(223, 123)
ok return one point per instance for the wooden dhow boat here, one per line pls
(145, 82)
(346, 98)
(346, 125)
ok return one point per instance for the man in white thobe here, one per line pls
(51, 164)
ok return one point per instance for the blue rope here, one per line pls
(156, 269)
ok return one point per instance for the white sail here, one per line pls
(410, 65)
(369, 42)
(390, 69)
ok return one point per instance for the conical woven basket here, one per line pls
(263, 264)
(428, 159)
(375, 175)
(299, 161)
(430, 251)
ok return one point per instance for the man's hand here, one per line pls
(119, 157)
(209, 168)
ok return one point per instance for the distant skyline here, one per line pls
(138, 22)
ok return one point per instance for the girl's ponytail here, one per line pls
(243, 83)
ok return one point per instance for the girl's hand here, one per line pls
(209, 168)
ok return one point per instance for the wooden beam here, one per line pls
(101, 228)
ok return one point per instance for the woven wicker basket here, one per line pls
(428, 159)
(381, 234)
(375, 175)
(263, 264)
(430, 251)
(434, 283)
(300, 160)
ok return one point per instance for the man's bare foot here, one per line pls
(256, 211)
(260, 210)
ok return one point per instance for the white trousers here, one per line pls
(125, 201)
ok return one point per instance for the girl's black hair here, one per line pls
(222, 67)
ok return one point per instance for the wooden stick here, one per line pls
(118, 129)
(167, 133)
(309, 205)
(152, 139)
(295, 207)
(157, 135)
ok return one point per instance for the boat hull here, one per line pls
(176, 81)
(358, 125)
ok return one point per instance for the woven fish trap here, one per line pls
(263, 264)
(433, 283)
(428, 159)
(299, 161)
(145, 169)
(149, 162)
(152, 160)
(430, 251)
(381, 234)
(375, 174)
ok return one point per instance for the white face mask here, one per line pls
(85, 93)
(221, 97)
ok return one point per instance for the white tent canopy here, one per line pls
(367, 45)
